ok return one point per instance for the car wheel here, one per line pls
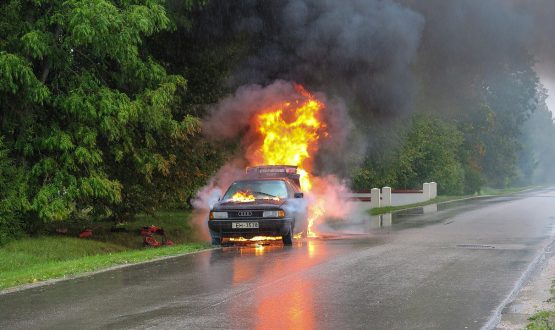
(288, 239)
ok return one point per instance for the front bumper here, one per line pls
(266, 227)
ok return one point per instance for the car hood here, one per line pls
(257, 204)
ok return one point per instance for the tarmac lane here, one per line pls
(452, 266)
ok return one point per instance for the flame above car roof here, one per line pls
(286, 169)
(274, 171)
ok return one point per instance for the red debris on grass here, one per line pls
(86, 233)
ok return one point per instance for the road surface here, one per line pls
(452, 268)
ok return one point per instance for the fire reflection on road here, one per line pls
(282, 297)
(293, 309)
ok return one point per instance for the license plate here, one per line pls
(244, 225)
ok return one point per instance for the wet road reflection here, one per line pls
(292, 308)
(287, 296)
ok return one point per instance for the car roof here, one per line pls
(261, 179)
(292, 183)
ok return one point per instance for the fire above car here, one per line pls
(267, 202)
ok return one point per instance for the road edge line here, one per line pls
(535, 266)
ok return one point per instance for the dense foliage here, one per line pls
(90, 121)
(431, 152)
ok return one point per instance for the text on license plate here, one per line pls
(244, 225)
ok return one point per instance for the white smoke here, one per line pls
(213, 191)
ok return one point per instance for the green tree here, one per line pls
(13, 202)
(537, 155)
(512, 96)
(432, 153)
(202, 46)
(379, 167)
(87, 113)
(431, 150)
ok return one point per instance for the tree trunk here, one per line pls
(47, 66)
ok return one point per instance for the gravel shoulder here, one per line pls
(532, 298)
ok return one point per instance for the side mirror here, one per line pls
(298, 195)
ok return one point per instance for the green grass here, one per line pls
(32, 260)
(443, 199)
(544, 320)
(176, 225)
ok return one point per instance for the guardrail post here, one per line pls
(387, 220)
(433, 190)
(375, 197)
(426, 191)
(386, 196)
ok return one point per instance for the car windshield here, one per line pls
(260, 189)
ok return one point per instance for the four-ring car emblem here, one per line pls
(244, 213)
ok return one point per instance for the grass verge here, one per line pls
(46, 257)
(39, 259)
(443, 199)
(544, 320)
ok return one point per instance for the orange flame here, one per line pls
(290, 134)
(243, 197)
(315, 212)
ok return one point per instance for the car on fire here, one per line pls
(268, 201)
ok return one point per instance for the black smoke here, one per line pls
(358, 50)
(384, 58)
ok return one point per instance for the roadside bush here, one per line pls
(473, 180)
(368, 177)
(12, 197)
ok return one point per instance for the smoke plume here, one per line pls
(358, 50)
(379, 59)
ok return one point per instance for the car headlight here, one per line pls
(273, 214)
(218, 215)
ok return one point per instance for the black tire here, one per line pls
(216, 240)
(288, 239)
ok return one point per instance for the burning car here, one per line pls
(267, 202)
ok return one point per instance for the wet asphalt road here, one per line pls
(451, 268)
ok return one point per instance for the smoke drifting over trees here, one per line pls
(366, 51)
(469, 62)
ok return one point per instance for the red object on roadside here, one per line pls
(86, 233)
(149, 230)
(150, 241)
